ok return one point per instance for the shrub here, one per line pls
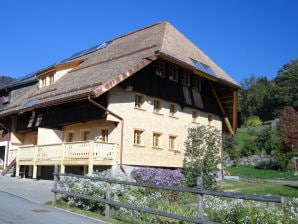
(249, 148)
(84, 186)
(201, 156)
(253, 121)
(158, 176)
(264, 140)
(250, 212)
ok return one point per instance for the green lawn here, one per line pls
(254, 173)
(260, 187)
(253, 181)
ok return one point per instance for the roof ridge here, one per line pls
(139, 30)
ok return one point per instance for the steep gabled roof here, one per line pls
(99, 70)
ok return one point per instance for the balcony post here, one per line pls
(90, 162)
(17, 162)
(34, 174)
(18, 170)
(62, 167)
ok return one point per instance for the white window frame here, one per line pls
(83, 131)
(104, 134)
(139, 101)
(171, 112)
(138, 137)
(157, 106)
(156, 140)
(68, 134)
(173, 142)
(194, 116)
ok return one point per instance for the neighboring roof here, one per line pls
(104, 68)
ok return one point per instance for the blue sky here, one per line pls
(243, 37)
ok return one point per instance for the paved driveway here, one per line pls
(22, 202)
(18, 210)
(34, 190)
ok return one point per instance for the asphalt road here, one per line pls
(17, 210)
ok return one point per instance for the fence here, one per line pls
(200, 192)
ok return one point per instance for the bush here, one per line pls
(249, 148)
(84, 186)
(158, 176)
(250, 212)
(201, 156)
(253, 121)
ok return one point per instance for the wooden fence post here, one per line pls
(200, 206)
(108, 195)
(55, 183)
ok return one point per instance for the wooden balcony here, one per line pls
(70, 153)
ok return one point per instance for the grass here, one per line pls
(254, 173)
(260, 188)
(241, 137)
(253, 181)
(96, 215)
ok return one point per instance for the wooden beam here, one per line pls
(226, 119)
(235, 103)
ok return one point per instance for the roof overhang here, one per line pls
(195, 70)
(121, 77)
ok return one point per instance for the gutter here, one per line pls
(122, 129)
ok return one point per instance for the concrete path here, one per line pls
(34, 190)
(18, 210)
(34, 193)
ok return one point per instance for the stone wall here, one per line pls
(252, 160)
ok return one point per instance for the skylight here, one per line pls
(203, 67)
(90, 49)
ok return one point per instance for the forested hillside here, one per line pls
(5, 80)
(265, 99)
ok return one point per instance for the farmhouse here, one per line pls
(127, 102)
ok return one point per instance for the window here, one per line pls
(160, 69)
(85, 135)
(51, 79)
(196, 82)
(194, 116)
(173, 109)
(156, 106)
(69, 137)
(43, 82)
(210, 119)
(173, 73)
(104, 134)
(138, 137)
(156, 140)
(172, 142)
(46, 80)
(185, 78)
(138, 101)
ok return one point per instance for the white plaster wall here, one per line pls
(122, 103)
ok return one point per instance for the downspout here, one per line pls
(122, 128)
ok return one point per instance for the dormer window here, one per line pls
(50, 75)
(46, 80)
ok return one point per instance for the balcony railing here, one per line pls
(89, 150)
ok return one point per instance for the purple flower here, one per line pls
(158, 176)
